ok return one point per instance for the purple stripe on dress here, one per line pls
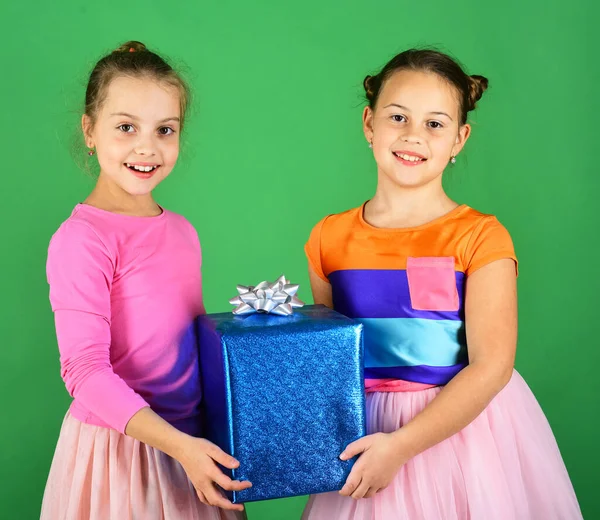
(383, 293)
(418, 374)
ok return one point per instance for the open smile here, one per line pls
(409, 158)
(142, 171)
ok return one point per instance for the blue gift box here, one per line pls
(284, 396)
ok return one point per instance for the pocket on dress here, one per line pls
(432, 283)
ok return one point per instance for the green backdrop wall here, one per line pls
(275, 143)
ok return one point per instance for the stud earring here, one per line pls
(91, 152)
(371, 144)
(453, 159)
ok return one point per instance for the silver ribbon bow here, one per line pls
(277, 297)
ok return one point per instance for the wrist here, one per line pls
(405, 442)
(178, 445)
(147, 427)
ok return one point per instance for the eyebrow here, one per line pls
(130, 116)
(408, 109)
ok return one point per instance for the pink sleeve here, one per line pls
(80, 273)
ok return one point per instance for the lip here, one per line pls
(408, 152)
(143, 163)
(412, 154)
(142, 175)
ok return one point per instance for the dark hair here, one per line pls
(469, 88)
(131, 59)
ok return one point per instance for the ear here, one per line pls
(87, 127)
(368, 123)
(463, 134)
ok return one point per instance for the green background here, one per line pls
(274, 143)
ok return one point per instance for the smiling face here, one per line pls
(136, 134)
(414, 128)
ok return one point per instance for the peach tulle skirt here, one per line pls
(100, 474)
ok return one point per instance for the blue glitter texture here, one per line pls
(285, 396)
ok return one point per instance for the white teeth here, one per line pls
(410, 158)
(144, 169)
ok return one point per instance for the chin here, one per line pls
(404, 181)
(138, 191)
(410, 179)
(138, 188)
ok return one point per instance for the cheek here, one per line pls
(109, 156)
(171, 152)
(442, 144)
(383, 139)
(114, 148)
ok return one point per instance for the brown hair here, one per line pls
(131, 59)
(469, 88)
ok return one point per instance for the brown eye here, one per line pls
(397, 118)
(435, 124)
(126, 128)
(165, 130)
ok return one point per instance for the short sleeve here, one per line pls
(312, 249)
(80, 273)
(489, 242)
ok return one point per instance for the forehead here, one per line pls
(143, 97)
(419, 91)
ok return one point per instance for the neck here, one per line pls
(108, 196)
(395, 206)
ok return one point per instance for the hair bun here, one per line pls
(371, 85)
(477, 86)
(131, 46)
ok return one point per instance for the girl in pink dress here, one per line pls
(125, 287)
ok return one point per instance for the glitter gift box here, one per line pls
(284, 395)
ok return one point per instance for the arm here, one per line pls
(197, 456)
(321, 290)
(80, 273)
(491, 325)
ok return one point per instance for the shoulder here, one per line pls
(327, 236)
(487, 240)
(479, 223)
(176, 218)
(181, 224)
(338, 223)
(78, 251)
(474, 218)
(80, 230)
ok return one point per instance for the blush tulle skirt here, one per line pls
(505, 465)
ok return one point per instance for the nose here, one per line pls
(411, 134)
(145, 146)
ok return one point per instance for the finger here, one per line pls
(201, 496)
(361, 490)
(354, 448)
(372, 492)
(230, 485)
(353, 479)
(351, 484)
(218, 455)
(215, 498)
